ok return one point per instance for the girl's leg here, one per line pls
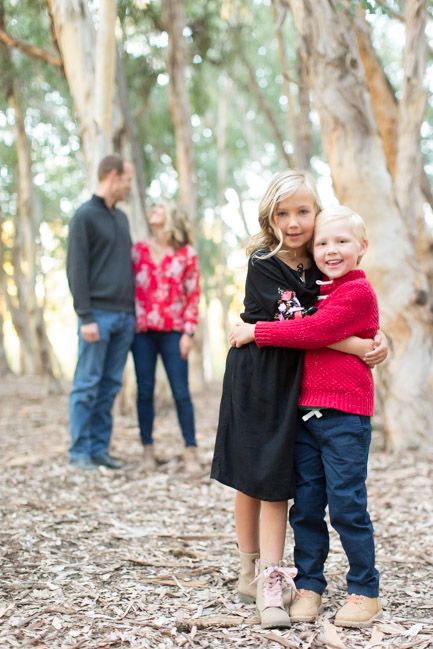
(273, 523)
(271, 576)
(247, 517)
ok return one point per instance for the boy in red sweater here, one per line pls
(334, 431)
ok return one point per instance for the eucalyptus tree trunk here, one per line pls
(4, 364)
(362, 181)
(103, 113)
(411, 113)
(36, 353)
(88, 64)
(280, 11)
(173, 14)
(391, 115)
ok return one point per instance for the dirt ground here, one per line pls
(121, 559)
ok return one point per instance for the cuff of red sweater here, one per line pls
(263, 334)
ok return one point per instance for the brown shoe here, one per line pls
(247, 590)
(306, 607)
(149, 461)
(358, 611)
(192, 466)
(270, 602)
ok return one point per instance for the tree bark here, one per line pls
(90, 76)
(362, 181)
(411, 113)
(174, 23)
(280, 10)
(36, 353)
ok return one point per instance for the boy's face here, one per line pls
(336, 249)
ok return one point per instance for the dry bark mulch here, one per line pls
(120, 559)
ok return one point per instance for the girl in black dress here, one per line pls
(255, 438)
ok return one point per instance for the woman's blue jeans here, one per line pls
(145, 350)
(331, 455)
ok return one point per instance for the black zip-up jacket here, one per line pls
(99, 265)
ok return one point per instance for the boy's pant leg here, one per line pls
(346, 442)
(308, 512)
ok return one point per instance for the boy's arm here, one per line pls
(347, 312)
(370, 350)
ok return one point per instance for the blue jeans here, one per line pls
(97, 380)
(331, 455)
(145, 349)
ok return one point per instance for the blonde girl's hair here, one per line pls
(283, 185)
(337, 212)
(177, 224)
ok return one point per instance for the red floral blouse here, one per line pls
(167, 294)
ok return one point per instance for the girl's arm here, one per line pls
(371, 350)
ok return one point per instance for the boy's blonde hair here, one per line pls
(177, 224)
(283, 185)
(337, 212)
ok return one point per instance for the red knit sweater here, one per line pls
(332, 379)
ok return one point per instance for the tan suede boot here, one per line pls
(269, 602)
(149, 461)
(306, 607)
(358, 611)
(246, 588)
(190, 459)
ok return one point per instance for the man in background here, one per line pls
(102, 284)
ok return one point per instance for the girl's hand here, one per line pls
(185, 346)
(242, 334)
(380, 350)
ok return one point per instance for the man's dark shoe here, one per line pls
(82, 463)
(105, 459)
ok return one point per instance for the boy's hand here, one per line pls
(242, 334)
(380, 351)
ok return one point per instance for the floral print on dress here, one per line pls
(290, 308)
(167, 294)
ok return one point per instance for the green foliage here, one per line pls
(219, 47)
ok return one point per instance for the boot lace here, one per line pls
(356, 599)
(302, 593)
(273, 584)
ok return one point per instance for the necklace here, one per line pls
(300, 271)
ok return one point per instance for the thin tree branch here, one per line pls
(30, 50)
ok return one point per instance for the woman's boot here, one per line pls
(246, 588)
(269, 601)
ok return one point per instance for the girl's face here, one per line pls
(157, 216)
(295, 216)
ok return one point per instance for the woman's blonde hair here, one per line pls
(283, 185)
(177, 224)
(337, 212)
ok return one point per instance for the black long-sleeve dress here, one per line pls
(256, 429)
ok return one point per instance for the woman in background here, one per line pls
(166, 309)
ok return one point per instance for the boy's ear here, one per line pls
(362, 250)
(364, 246)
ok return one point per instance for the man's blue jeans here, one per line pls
(97, 380)
(145, 349)
(331, 455)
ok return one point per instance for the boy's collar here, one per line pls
(329, 284)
